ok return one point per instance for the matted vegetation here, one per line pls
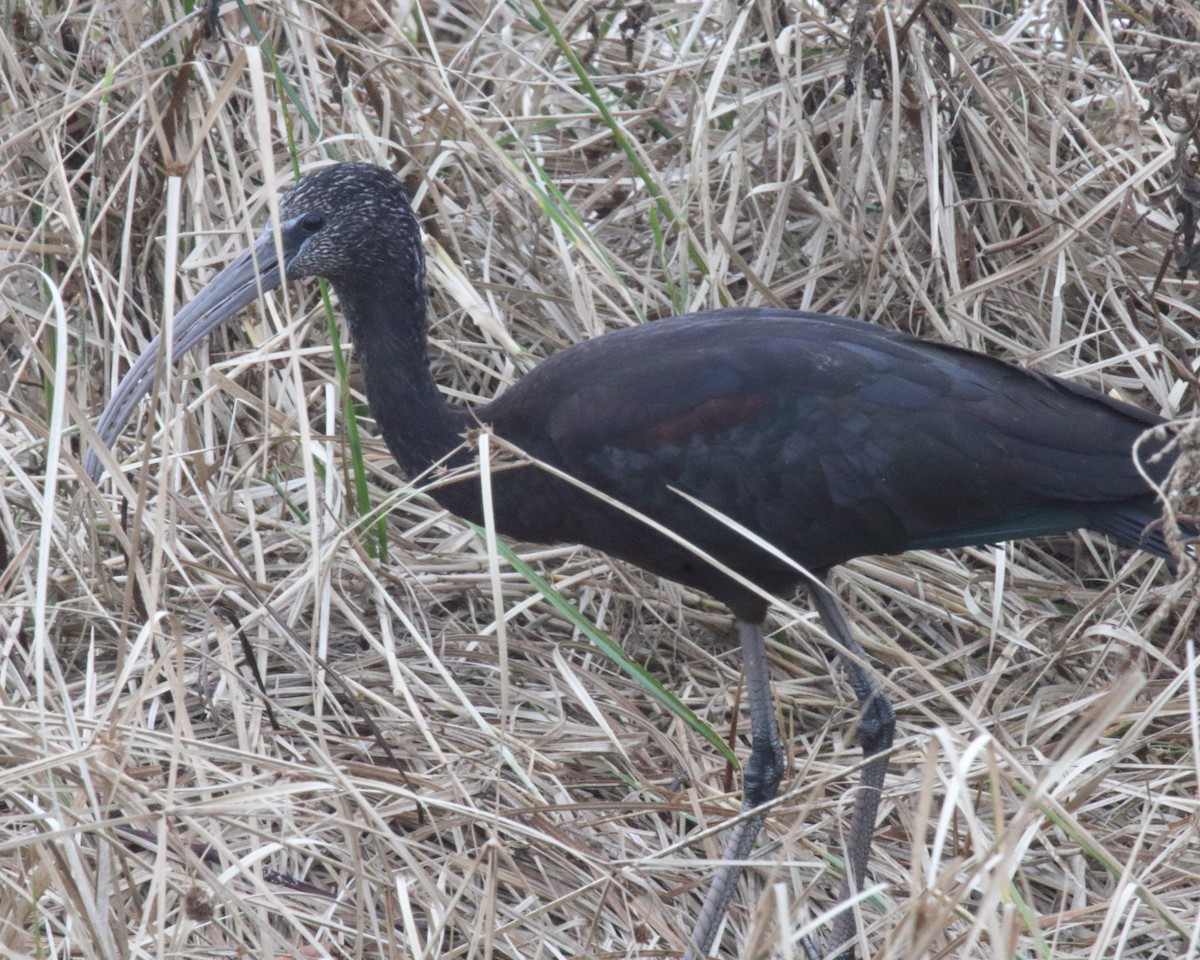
(442, 765)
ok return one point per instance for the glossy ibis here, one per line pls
(829, 438)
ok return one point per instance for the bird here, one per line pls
(776, 444)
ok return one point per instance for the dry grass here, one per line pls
(1000, 176)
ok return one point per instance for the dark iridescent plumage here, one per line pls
(831, 438)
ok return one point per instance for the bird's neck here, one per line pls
(388, 326)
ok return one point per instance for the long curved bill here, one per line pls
(255, 271)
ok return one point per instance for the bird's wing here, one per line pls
(845, 438)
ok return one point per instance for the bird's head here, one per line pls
(346, 222)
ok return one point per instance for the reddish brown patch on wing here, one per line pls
(708, 419)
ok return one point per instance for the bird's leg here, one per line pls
(761, 779)
(875, 730)
(765, 769)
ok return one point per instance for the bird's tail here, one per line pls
(1143, 527)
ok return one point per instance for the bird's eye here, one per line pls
(312, 222)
